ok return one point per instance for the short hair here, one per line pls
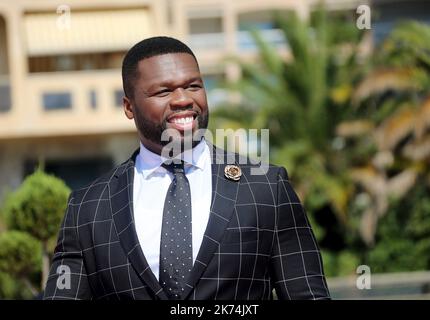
(144, 49)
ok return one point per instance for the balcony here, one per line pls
(67, 103)
(215, 42)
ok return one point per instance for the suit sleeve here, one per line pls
(68, 277)
(296, 264)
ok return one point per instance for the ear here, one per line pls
(128, 107)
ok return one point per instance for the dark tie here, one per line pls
(176, 234)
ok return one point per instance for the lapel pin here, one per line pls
(232, 172)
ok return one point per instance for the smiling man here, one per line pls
(164, 91)
(175, 221)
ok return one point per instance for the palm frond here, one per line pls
(354, 128)
(395, 128)
(272, 61)
(422, 123)
(418, 150)
(382, 80)
(410, 37)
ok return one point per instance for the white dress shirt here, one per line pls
(150, 185)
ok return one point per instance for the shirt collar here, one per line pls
(148, 162)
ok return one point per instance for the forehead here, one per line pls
(168, 67)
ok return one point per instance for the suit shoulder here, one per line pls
(263, 171)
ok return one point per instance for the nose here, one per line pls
(181, 99)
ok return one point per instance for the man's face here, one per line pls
(168, 94)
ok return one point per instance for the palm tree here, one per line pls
(393, 111)
(301, 99)
(352, 131)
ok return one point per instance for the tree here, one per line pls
(20, 256)
(392, 106)
(37, 208)
(402, 240)
(352, 130)
(302, 99)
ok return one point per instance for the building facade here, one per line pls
(60, 79)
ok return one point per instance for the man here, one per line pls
(169, 224)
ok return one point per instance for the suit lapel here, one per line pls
(121, 199)
(224, 193)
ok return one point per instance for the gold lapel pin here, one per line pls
(232, 172)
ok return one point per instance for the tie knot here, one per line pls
(174, 167)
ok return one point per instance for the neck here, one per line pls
(168, 151)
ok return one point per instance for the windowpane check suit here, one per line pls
(257, 239)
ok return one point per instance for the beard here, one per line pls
(154, 131)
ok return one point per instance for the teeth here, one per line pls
(182, 120)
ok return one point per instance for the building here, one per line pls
(60, 82)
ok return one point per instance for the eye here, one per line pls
(194, 87)
(162, 93)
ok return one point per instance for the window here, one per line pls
(5, 100)
(206, 30)
(5, 90)
(76, 62)
(93, 99)
(118, 95)
(57, 101)
(265, 23)
(205, 25)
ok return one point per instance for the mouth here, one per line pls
(183, 121)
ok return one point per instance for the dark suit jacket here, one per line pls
(257, 239)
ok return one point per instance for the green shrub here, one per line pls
(20, 253)
(403, 236)
(330, 263)
(38, 206)
(341, 263)
(33, 215)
